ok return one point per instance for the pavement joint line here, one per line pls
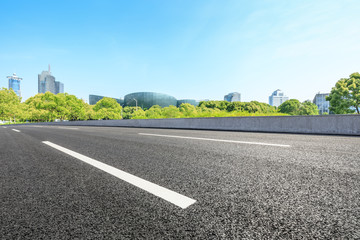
(16, 130)
(216, 140)
(159, 191)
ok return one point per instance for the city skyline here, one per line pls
(187, 49)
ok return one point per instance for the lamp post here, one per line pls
(135, 102)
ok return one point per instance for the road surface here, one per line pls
(131, 183)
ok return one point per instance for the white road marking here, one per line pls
(16, 130)
(68, 128)
(216, 140)
(4, 127)
(164, 193)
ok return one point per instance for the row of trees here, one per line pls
(50, 107)
(46, 107)
(344, 98)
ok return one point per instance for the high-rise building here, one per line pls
(14, 84)
(277, 98)
(47, 83)
(59, 87)
(321, 103)
(233, 97)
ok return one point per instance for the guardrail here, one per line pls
(319, 124)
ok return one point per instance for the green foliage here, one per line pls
(308, 108)
(221, 105)
(170, 112)
(107, 108)
(291, 107)
(187, 110)
(48, 107)
(295, 107)
(345, 95)
(9, 104)
(128, 112)
(154, 112)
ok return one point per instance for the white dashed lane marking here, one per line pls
(217, 140)
(161, 192)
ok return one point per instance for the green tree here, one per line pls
(138, 114)
(221, 105)
(295, 107)
(308, 108)
(187, 110)
(9, 104)
(291, 107)
(345, 94)
(154, 112)
(128, 112)
(107, 108)
(170, 112)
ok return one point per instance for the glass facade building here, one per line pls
(277, 98)
(46, 82)
(93, 99)
(149, 99)
(59, 87)
(321, 103)
(233, 97)
(190, 101)
(14, 84)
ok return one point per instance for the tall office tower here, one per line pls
(277, 98)
(47, 83)
(321, 103)
(14, 84)
(59, 87)
(233, 97)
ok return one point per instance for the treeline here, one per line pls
(49, 107)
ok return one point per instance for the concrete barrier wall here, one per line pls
(323, 124)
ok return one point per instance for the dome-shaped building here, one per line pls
(149, 99)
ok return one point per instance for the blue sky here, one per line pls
(199, 49)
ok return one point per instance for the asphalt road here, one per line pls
(239, 185)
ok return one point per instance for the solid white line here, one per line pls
(164, 193)
(216, 140)
(16, 130)
(68, 128)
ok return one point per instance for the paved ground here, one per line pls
(302, 187)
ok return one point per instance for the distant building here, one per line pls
(321, 103)
(93, 99)
(59, 87)
(14, 84)
(47, 83)
(149, 99)
(190, 101)
(233, 97)
(277, 98)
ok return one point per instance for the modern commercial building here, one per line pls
(321, 103)
(59, 87)
(277, 98)
(14, 84)
(93, 99)
(233, 97)
(149, 99)
(190, 101)
(47, 83)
